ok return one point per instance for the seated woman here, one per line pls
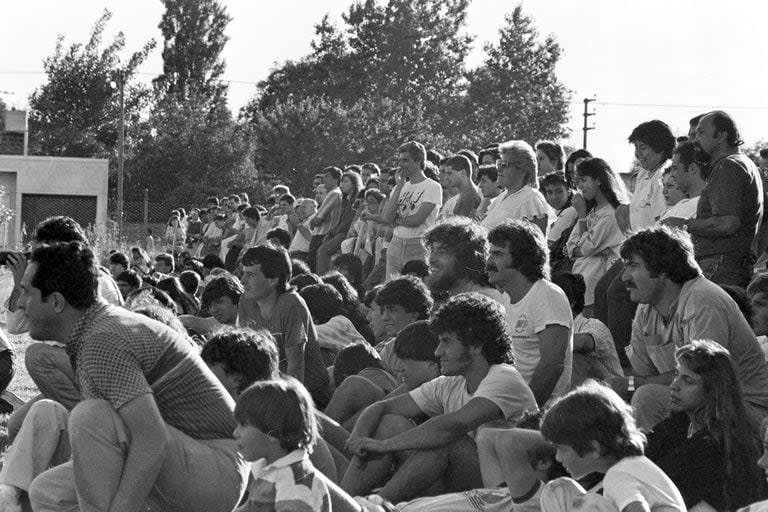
(334, 329)
(706, 446)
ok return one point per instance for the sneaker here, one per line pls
(9, 499)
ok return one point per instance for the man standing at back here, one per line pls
(155, 425)
(730, 207)
(327, 215)
(413, 208)
(456, 172)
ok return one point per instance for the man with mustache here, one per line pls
(730, 207)
(678, 304)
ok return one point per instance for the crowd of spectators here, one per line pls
(513, 329)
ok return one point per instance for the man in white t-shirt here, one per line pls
(478, 387)
(689, 174)
(413, 208)
(539, 314)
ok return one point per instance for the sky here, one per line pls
(640, 59)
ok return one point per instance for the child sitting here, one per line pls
(594, 432)
(276, 429)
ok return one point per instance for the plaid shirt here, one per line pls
(289, 484)
(118, 355)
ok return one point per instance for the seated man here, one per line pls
(150, 404)
(128, 281)
(221, 298)
(479, 386)
(539, 316)
(678, 304)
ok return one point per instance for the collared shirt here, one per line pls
(118, 356)
(288, 484)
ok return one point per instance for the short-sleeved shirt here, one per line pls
(468, 202)
(527, 203)
(291, 324)
(637, 479)
(734, 188)
(329, 211)
(411, 197)
(545, 304)
(503, 385)
(288, 484)
(119, 355)
(647, 203)
(703, 311)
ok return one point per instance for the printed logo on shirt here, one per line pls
(521, 327)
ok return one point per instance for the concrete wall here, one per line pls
(53, 175)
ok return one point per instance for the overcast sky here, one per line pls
(645, 59)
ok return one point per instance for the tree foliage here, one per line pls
(405, 56)
(193, 33)
(76, 112)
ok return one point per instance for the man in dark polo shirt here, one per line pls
(155, 425)
(730, 207)
(270, 303)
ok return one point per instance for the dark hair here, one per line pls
(252, 354)
(172, 286)
(416, 151)
(594, 412)
(409, 292)
(357, 184)
(165, 258)
(553, 151)
(281, 408)
(118, 258)
(432, 172)
(656, 135)
(459, 163)
(323, 301)
(190, 281)
(492, 151)
(611, 185)
(723, 122)
(335, 173)
(352, 264)
(299, 267)
(60, 229)
(434, 156)
(370, 295)
(723, 415)
(476, 320)
(342, 285)
(574, 287)
(130, 277)
(417, 268)
(370, 166)
(353, 359)
(274, 262)
(763, 152)
(570, 164)
(283, 236)
(303, 280)
(220, 286)
(471, 155)
(213, 261)
(664, 251)
(527, 247)
(758, 284)
(467, 241)
(740, 297)
(252, 213)
(417, 342)
(489, 171)
(554, 179)
(288, 198)
(161, 314)
(213, 200)
(69, 269)
(694, 121)
(220, 217)
(375, 194)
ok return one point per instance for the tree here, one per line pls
(185, 155)
(76, 113)
(516, 93)
(193, 31)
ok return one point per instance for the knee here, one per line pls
(37, 356)
(392, 425)
(651, 404)
(90, 414)
(48, 412)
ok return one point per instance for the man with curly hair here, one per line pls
(478, 386)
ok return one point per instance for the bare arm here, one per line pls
(146, 452)
(295, 356)
(553, 343)
(388, 215)
(418, 218)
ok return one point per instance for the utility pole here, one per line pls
(120, 149)
(587, 114)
